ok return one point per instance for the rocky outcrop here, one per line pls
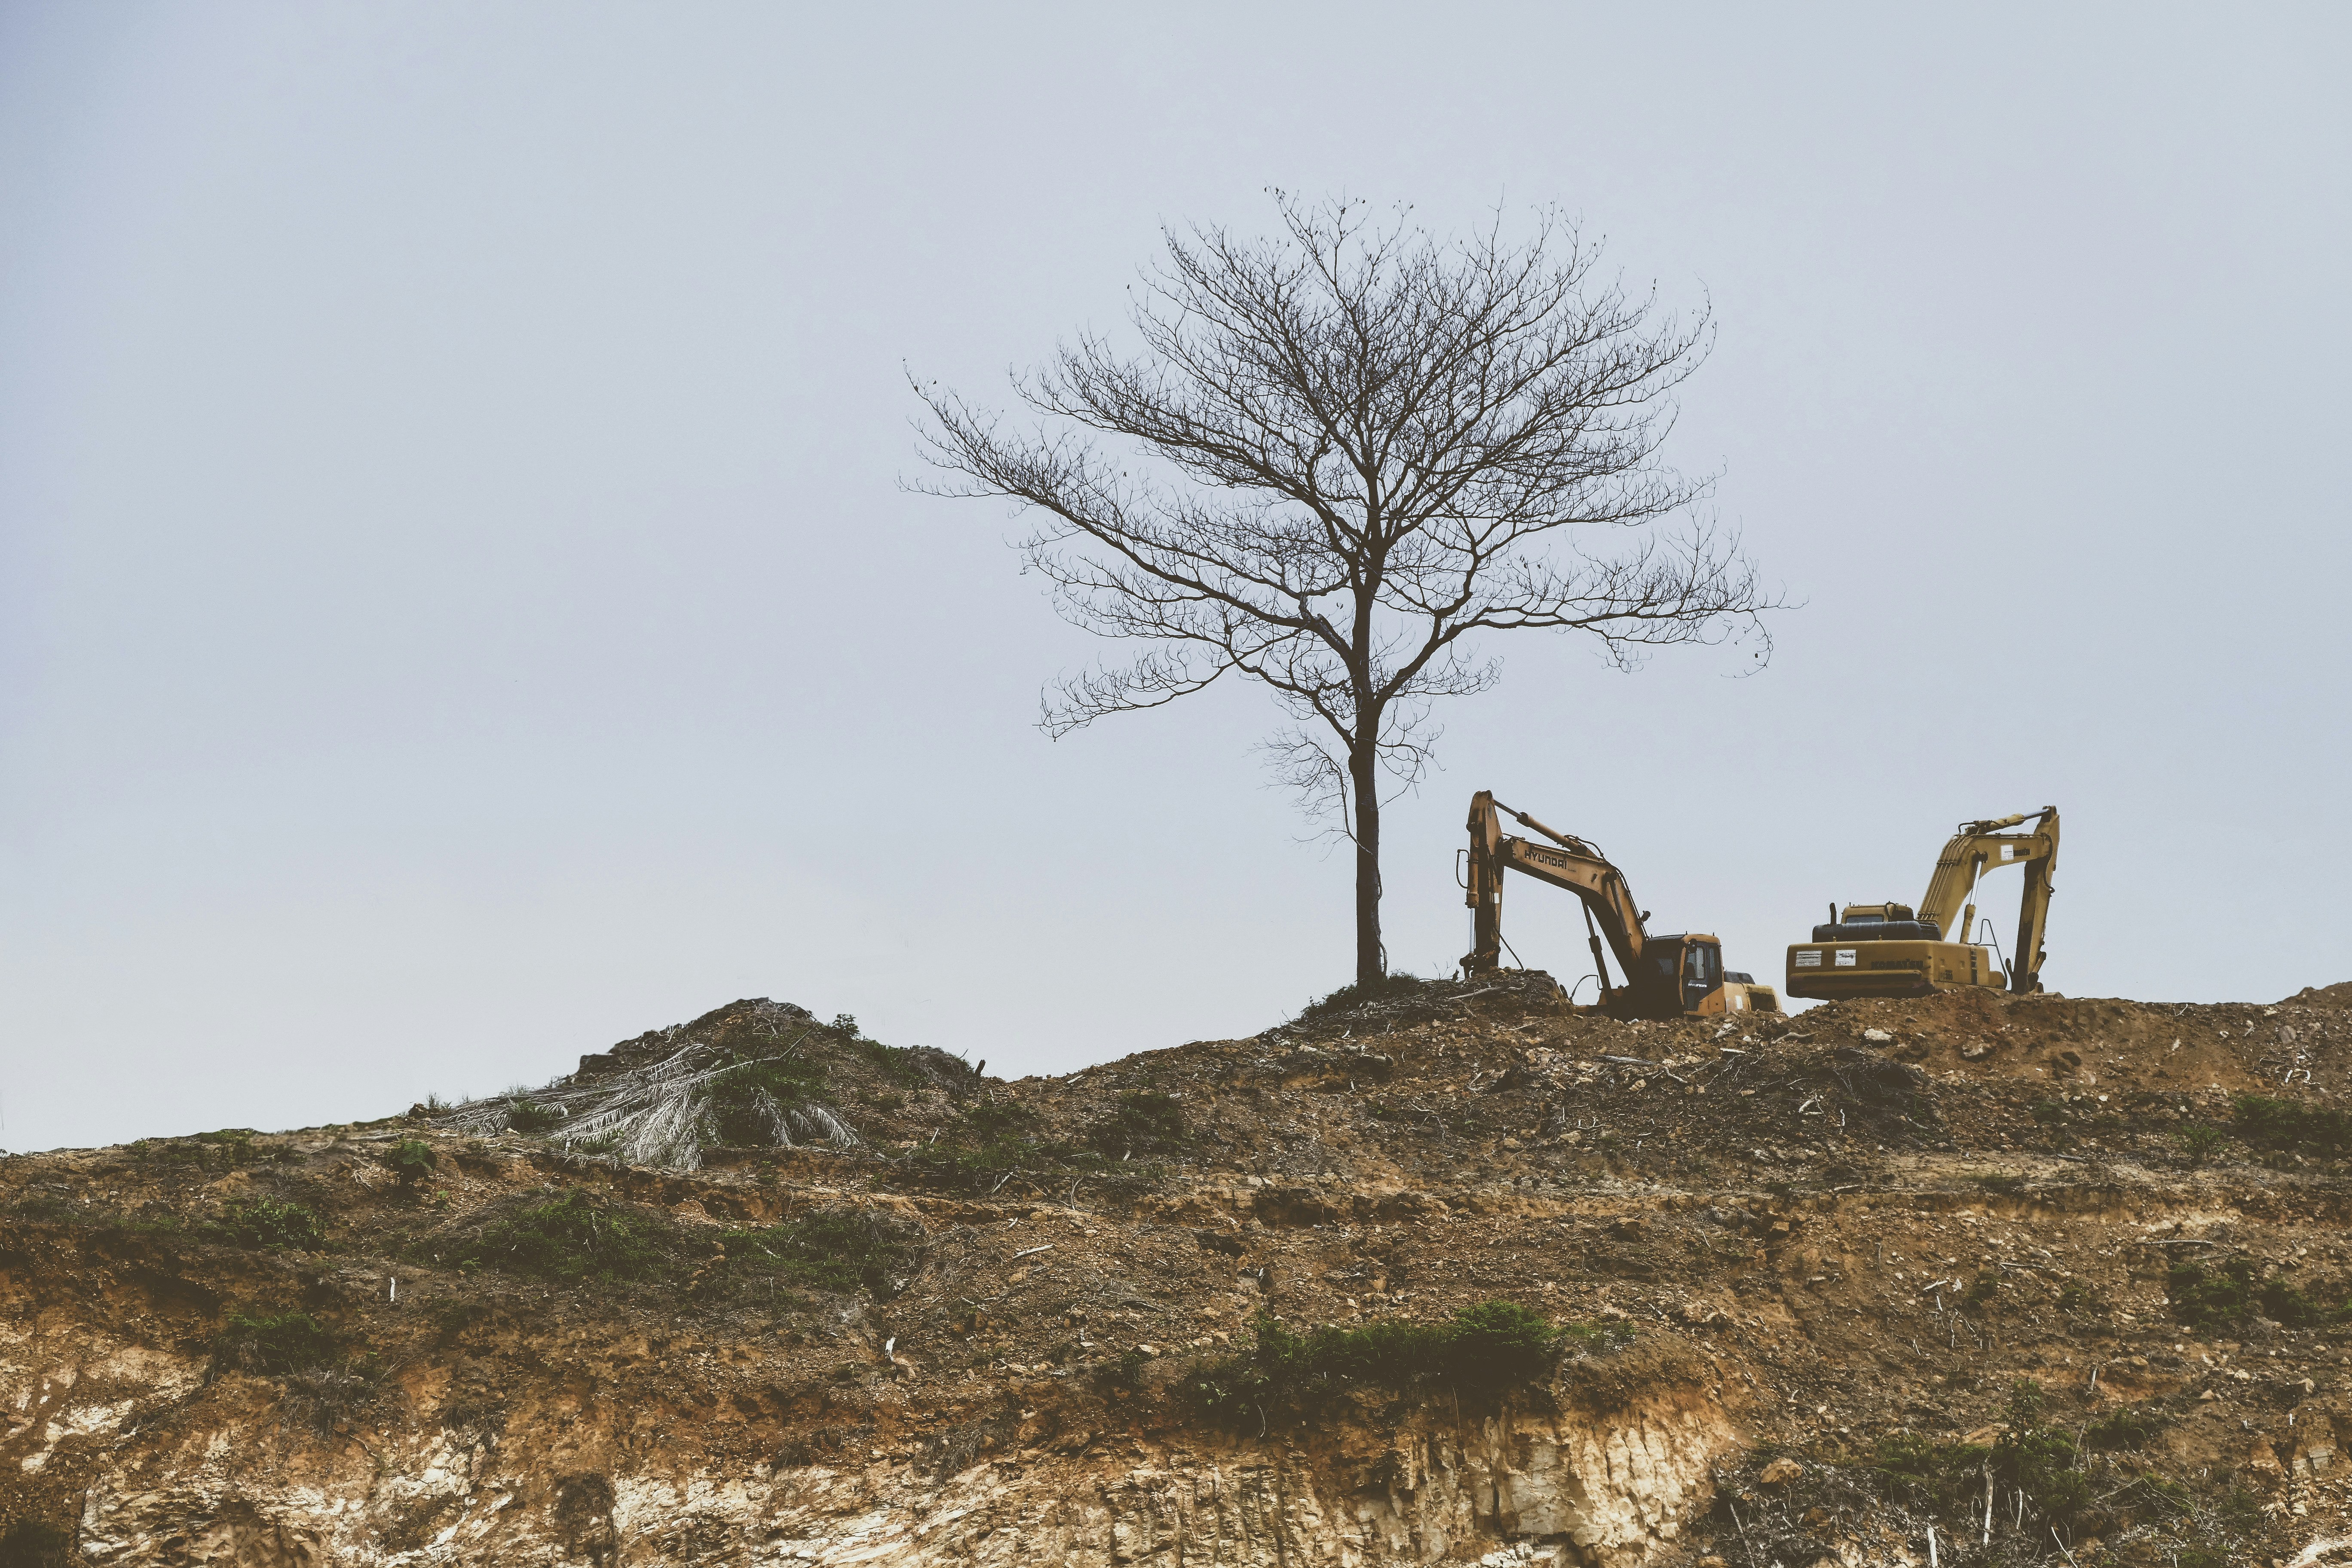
(176, 1470)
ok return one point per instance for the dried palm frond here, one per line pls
(664, 1111)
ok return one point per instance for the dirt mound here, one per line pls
(754, 1074)
(1810, 1287)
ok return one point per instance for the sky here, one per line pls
(460, 605)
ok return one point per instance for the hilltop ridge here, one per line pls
(1444, 1274)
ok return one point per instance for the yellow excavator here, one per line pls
(1665, 976)
(1892, 949)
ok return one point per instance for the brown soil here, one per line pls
(1848, 1229)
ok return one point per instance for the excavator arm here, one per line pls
(1979, 846)
(1575, 865)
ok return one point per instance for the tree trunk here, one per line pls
(1363, 770)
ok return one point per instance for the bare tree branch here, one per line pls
(1351, 447)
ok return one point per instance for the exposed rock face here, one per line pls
(1574, 1485)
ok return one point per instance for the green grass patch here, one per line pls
(572, 1237)
(841, 1250)
(1948, 1478)
(2128, 1428)
(894, 1062)
(267, 1224)
(993, 1142)
(2214, 1299)
(2289, 1127)
(1482, 1352)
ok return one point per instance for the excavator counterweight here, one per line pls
(1894, 950)
(1665, 976)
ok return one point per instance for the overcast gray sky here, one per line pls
(456, 607)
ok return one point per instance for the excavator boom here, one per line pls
(1882, 950)
(1664, 976)
(1981, 846)
(1575, 865)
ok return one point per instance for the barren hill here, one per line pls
(1445, 1275)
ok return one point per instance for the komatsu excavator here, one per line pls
(1892, 949)
(1665, 976)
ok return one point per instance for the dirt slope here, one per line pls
(1806, 1264)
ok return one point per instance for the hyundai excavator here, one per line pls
(1892, 949)
(1665, 976)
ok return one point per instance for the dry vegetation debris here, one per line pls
(2083, 1258)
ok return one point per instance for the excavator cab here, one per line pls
(1702, 973)
(1683, 969)
(1683, 976)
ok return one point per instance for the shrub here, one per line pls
(840, 1250)
(2128, 1427)
(236, 1142)
(753, 1103)
(413, 1160)
(2283, 1126)
(268, 1224)
(2207, 1299)
(2201, 1142)
(1936, 1475)
(996, 1118)
(1485, 1349)
(896, 1062)
(1593, 1339)
(990, 1145)
(528, 1116)
(983, 1167)
(570, 1238)
(2212, 1300)
(2282, 1299)
(1126, 1373)
(1949, 1477)
(276, 1344)
(2040, 1460)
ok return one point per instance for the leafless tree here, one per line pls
(1354, 448)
